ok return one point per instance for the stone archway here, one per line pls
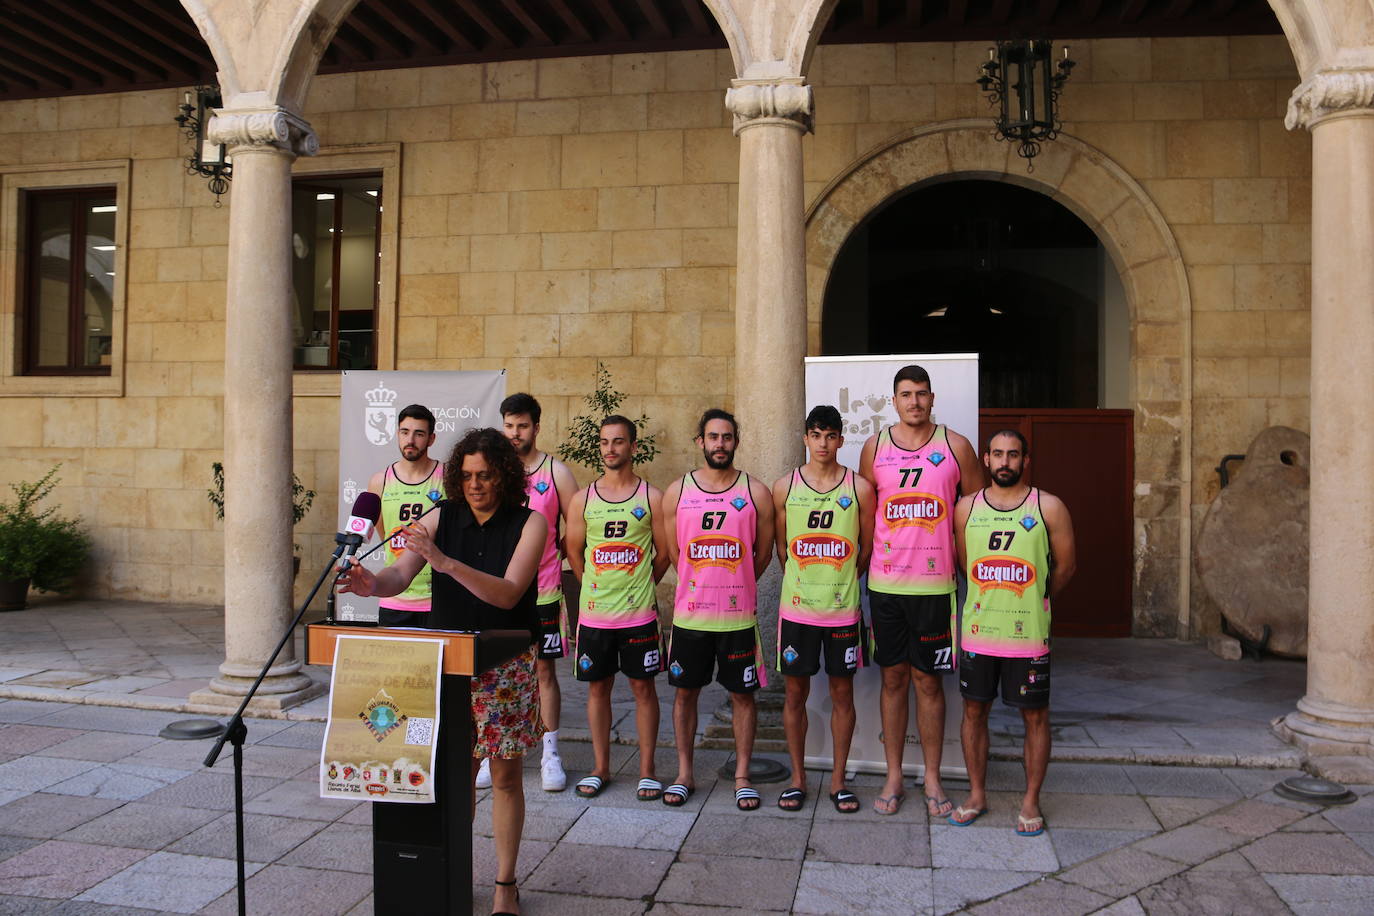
(1146, 256)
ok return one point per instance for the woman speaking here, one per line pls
(484, 547)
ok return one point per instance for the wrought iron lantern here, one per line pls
(207, 159)
(1020, 78)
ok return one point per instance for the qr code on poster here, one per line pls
(419, 731)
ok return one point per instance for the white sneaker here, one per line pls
(555, 780)
(484, 774)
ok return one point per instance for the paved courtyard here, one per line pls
(100, 816)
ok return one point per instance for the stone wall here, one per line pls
(560, 211)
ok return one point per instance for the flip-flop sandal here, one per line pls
(888, 805)
(795, 798)
(940, 804)
(961, 812)
(845, 797)
(678, 791)
(1030, 826)
(652, 787)
(590, 786)
(747, 793)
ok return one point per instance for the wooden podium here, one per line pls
(422, 854)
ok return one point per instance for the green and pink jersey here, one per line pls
(618, 574)
(1007, 610)
(913, 536)
(820, 583)
(402, 503)
(716, 590)
(543, 498)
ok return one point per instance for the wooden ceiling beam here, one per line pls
(1177, 9)
(1089, 10)
(445, 25)
(375, 33)
(10, 76)
(195, 51)
(167, 63)
(870, 14)
(182, 23)
(1133, 10)
(484, 22)
(349, 44)
(658, 25)
(23, 55)
(137, 69)
(1047, 10)
(697, 17)
(32, 70)
(398, 22)
(538, 34)
(35, 36)
(1001, 12)
(612, 19)
(575, 25)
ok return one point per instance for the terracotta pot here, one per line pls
(14, 594)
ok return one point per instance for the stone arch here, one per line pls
(773, 39)
(1145, 254)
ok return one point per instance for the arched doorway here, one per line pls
(1144, 378)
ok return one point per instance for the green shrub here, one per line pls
(584, 432)
(40, 545)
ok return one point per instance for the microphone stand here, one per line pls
(236, 732)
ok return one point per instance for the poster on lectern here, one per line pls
(380, 739)
(861, 388)
(369, 404)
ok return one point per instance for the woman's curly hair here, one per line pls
(500, 456)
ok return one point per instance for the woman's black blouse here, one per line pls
(488, 548)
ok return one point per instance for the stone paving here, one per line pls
(100, 816)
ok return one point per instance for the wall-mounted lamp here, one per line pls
(207, 159)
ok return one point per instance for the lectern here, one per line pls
(422, 854)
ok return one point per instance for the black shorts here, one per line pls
(602, 651)
(913, 629)
(550, 632)
(693, 655)
(801, 646)
(1025, 681)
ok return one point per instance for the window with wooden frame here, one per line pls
(69, 261)
(336, 244)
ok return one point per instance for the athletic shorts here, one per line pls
(1025, 681)
(693, 655)
(802, 645)
(550, 632)
(602, 651)
(913, 629)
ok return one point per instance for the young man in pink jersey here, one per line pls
(918, 469)
(617, 550)
(719, 526)
(1016, 544)
(550, 487)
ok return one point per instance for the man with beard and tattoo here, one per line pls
(550, 486)
(407, 489)
(617, 550)
(719, 527)
(1015, 542)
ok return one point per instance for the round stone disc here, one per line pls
(192, 730)
(1312, 789)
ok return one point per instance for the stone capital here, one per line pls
(262, 128)
(1328, 94)
(790, 103)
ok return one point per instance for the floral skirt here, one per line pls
(505, 709)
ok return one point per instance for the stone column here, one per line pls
(257, 409)
(770, 290)
(1334, 722)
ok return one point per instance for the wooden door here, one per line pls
(1086, 458)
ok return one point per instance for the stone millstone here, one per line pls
(1252, 551)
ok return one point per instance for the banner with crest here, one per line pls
(369, 403)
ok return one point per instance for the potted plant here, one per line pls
(38, 547)
(583, 446)
(301, 501)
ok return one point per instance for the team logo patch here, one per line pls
(789, 655)
(676, 669)
(924, 510)
(1028, 523)
(715, 550)
(739, 502)
(381, 716)
(1017, 626)
(585, 662)
(830, 549)
(1011, 573)
(619, 555)
(845, 502)
(542, 486)
(936, 458)
(638, 512)
(434, 496)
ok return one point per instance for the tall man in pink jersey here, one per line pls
(719, 526)
(919, 469)
(551, 487)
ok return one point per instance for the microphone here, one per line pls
(435, 498)
(362, 520)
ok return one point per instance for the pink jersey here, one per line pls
(716, 589)
(543, 497)
(913, 532)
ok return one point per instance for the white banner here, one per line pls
(369, 403)
(861, 388)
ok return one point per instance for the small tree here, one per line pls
(301, 498)
(584, 431)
